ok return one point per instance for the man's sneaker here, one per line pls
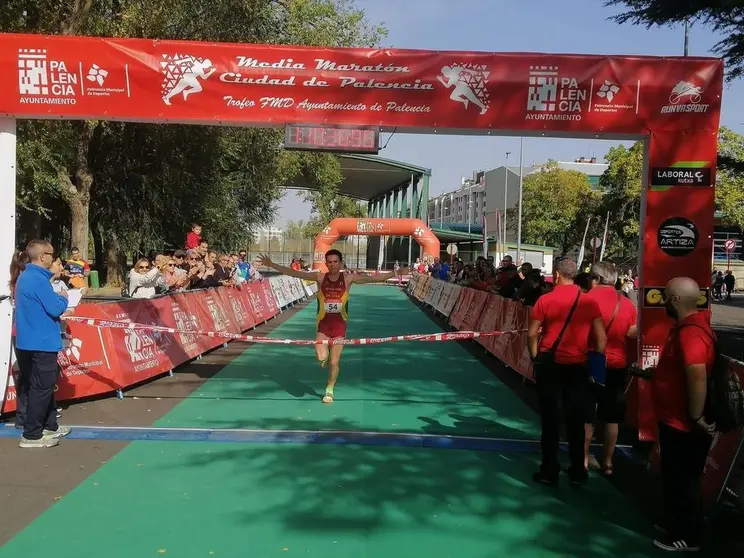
(61, 432)
(43, 442)
(676, 545)
(548, 480)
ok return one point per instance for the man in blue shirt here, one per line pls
(38, 340)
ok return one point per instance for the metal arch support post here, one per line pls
(8, 142)
(410, 191)
(519, 216)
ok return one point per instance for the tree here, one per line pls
(328, 205)
(137, 185)
(622, 183)
(295, 230)
(723, 16)
(729, 182)
(556, 206)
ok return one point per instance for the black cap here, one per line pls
(179, 254)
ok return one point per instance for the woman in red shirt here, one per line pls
(620, 317)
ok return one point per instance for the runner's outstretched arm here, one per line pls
(378, 278)
(266, 261)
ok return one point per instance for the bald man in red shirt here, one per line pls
(679, 385)
(567, 318)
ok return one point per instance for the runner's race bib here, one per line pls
(333, 307)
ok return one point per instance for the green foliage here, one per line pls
(328, 205)
(143, 184)
(328, 23)
(295, 230)
(622, 183)
(730, 182)
(725, 17)
(556, 205)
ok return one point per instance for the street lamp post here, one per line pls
(519, 211)
(506, 194)
(687, 37)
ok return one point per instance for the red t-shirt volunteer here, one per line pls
(687, 345)
(552, 310)
(606, 298)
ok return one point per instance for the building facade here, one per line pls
(489, 192)
(465, 205)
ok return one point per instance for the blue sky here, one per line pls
(564, 26)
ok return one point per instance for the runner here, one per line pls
(333, 306)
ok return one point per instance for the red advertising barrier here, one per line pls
(468, 309)
(502, 314)
(723, 452)
(102, 360)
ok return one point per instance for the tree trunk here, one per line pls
(34, 230)
(115, 267)
(98, 257)
(76, 185)
(79, 227)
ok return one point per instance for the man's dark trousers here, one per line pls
(683, 456)
(40, 370)
(565, 385)
(21, 386)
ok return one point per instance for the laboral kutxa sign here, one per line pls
(674, 102)
(272, 85)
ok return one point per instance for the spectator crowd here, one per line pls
(582, 341)
(524, 283)
(195, 267)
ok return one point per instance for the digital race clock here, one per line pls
(341, 139)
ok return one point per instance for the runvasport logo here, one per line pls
(686, 97)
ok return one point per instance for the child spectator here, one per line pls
(193, 239)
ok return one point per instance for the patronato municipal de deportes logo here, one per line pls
(608, 90)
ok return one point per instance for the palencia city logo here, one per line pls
(685, 97)
(678, 236)
(45, 81)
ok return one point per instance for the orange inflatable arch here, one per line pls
(374, 227)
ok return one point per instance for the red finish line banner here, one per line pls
(420, 337)
(179, 81)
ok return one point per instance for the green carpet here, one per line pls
(399, 387)
(203, 499)
(197, 500)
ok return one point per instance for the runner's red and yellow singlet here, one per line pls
(333, 307)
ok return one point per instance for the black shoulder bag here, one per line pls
(548, 357)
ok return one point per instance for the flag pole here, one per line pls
(604, 238)
(583, 243)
